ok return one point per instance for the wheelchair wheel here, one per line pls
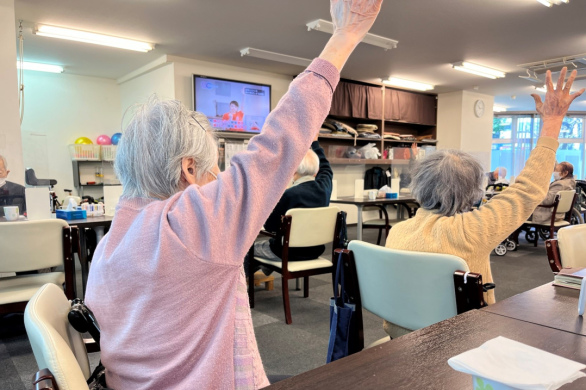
(531, 236)
(544, 233)
(500, 250)
(510, 245)
(576, 218)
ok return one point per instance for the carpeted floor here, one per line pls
(301, 346)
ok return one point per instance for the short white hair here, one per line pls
(3, 159)
(160, 134)
(309, 165)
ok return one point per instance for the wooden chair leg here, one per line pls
(380, 233)
(285, 288)
(306, 287)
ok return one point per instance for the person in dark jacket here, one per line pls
(11, 194)
(311, 188)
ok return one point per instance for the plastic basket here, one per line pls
(109, 152)
(84, 152)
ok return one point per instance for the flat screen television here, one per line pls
(232, 105)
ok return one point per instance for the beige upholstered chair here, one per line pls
(300, 228)
(569, 249)
(56, 345)
(34, 245)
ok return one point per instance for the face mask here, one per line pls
(557, 176)
(2, 181)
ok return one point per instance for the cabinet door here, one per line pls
(374, 103)
(341, 101)
(428, 110)
(392, 110)
(358, 97)
(408, 107)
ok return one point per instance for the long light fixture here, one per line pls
(40, 67)
(371, 39)
(272, 56)
(89, 37)
(478, 70)
(407, 84)
(549, 3)
(497, 108)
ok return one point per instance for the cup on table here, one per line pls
(372, 195)
(11, 213)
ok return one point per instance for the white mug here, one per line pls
(11, 213)
(372, 195)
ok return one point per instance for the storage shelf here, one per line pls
(394, 141)
(351, 139)
(230, 135)
(362, 161)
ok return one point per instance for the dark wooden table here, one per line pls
(419, 360)
(364, 201)
(551, 306)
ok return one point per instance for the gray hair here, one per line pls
(448, 182)
(160, 134)
(309, 166)
(3, 159)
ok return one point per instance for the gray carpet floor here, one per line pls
(301, 346)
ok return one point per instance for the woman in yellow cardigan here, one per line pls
(447, 183)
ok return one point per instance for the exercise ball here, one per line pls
(116, 138)
(84, 141)
(104, 140)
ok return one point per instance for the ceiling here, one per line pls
(432, 34)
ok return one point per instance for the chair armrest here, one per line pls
(267, 233)
(469, 291)
(546, 206)
(553, 255)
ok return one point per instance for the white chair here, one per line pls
(569, 249)
(410, 289)
(35, 245)
(300, 228)
(56, 345)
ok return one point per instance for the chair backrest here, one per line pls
(56, 345)
(410, 289)
(572, 246)
(31, 245)
(311, 227)
(566, 201)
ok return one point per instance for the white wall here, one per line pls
(160, 81)
(10, 138)
(59, 109)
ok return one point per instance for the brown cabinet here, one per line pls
(410, 107)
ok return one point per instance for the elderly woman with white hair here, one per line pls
(167, 283)
(449, 182)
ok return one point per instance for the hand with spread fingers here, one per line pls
(557, 102)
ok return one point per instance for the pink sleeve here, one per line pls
(220, 221)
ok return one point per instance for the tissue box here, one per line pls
(483, 384)
(68, 215)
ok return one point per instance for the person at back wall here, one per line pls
(11, 194)
(563, 180)
(311, 188)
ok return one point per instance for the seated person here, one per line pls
(497, 176)
(563, 179)
(11, 194)
(312, 187)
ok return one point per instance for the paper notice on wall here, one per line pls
(35, 153)
(231, 149)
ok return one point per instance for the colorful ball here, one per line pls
(104, 140)
(116, 138)
(83, 141)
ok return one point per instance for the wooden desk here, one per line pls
(419, 359)
(551, 306)
(361, 202)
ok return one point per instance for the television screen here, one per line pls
(232, 105)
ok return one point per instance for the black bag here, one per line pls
(343, 243)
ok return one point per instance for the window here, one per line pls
(514, 136)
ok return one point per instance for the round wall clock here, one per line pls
(479, 108)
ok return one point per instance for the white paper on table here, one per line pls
(334, 194)
(111, 196)
(395, 185)
(517, 365)
(38, 203)
(358, 189)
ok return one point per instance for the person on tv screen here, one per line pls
(234, 114)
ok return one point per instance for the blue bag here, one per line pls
(340, 318)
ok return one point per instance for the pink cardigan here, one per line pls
(167, 283)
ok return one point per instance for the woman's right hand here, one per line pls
(353, 18)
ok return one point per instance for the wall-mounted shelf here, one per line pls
(232, 135)
(351, 139)
(394, 141)
(362, 161)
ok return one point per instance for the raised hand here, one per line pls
(558, 100)
(354, 17)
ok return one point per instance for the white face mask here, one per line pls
(2, 181)
(557, 176)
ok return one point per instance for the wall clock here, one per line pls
(479, 108)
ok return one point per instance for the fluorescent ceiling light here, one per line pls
(272, 56)
(89, 37)
(40, 67)
(371, 39)
(549, 3)
(541, 89)
(407, 84)
(545, 2)
(496, 108)
(478, 70)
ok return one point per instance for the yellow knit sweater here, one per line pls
(473, 235)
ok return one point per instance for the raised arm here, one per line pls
(495, 221)
(238, 203)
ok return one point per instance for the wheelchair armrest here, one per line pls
(267, 233)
